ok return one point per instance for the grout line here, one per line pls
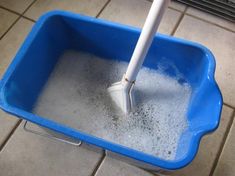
(9, 10)
(202, 19)
(222, 144)
(102, 9)
(172, 8)
(230, 106)
(17, 13)
(20, 15)
(179, 21)
(27, 18)
(30, 5)
(10, 134)
(99, 164)
(9, 28)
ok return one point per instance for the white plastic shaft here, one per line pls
(146, 37)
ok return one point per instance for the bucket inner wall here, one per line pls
(59, 34)
(37, 63)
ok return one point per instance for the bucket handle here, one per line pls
(77, 144)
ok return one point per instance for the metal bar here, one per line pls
(214, 9)
(50, 136)
(217, 7)
(213, 6)
(219, 4)
(226, 3)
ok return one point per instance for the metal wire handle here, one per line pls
(77, 144)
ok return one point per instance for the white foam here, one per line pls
(76, 95)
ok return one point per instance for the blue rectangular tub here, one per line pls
(58, 31)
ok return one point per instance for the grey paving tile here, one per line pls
(226, 162)
(209, 148)
(221, 43)
(11, 42)
(27, 154)
(7, 123)
(212, 18)
(87, 7)
(177, 5)
(16, 5)
(112, 166)
(6, 20)
(134, 13)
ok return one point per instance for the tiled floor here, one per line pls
(25, 154)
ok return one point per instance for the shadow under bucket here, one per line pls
(45, 84)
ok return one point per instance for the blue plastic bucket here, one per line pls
(58, 31)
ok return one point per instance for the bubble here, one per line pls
(76, 95)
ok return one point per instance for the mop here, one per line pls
(122, 92)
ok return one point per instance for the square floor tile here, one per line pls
(87, 7)
(11, 42)
(212, 18)
(226, 162)
(177, 5)
(7, 123)
(208, 150)
(222, 44)
(27, 154)
(134, 13)
(16, 5)
(115, 167)
(6, 20)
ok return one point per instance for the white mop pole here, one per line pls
(148, 32)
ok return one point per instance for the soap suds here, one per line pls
(76, 95)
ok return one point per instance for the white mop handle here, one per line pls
(146, 37)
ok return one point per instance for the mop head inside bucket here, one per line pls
(63, 87)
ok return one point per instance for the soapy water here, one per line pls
(76, 95)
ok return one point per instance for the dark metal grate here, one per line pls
(222, 8)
